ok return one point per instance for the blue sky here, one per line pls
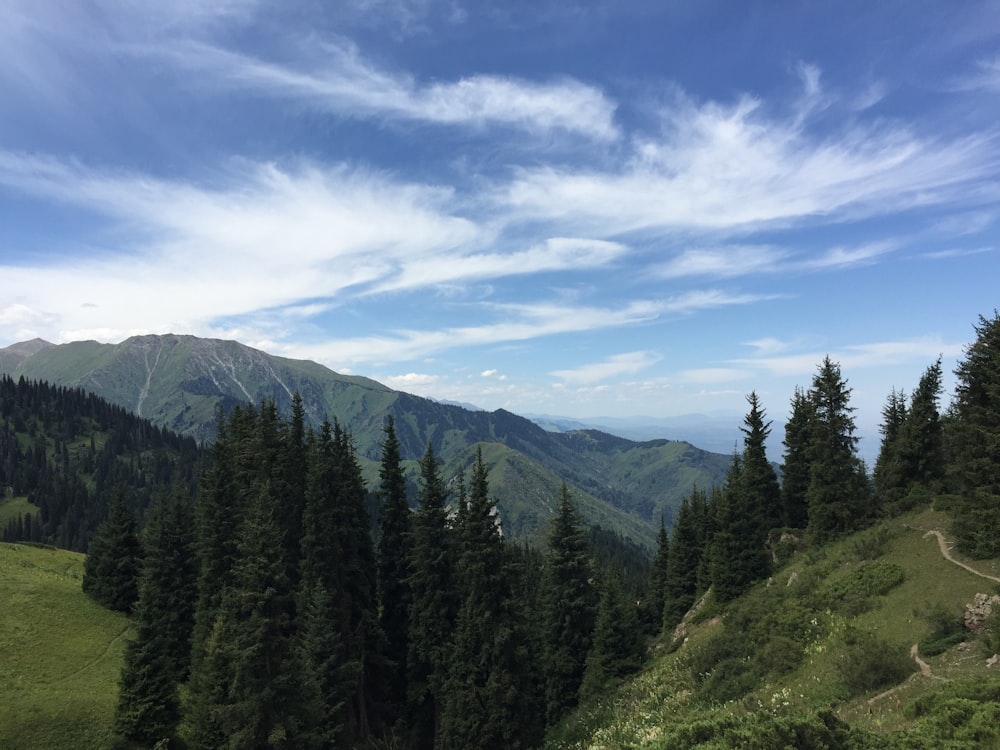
(601, 208)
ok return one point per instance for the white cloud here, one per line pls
(615, 365)
(488, 373)
(736, 260)
(554, 254)
(856, 356)
(707, 375)
(337, 79)
(986, 77)
(734, 168)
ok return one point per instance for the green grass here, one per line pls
(646, 710)
(60, 653)
(12, 507)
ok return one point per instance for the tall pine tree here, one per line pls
(394, 568)
(838, 495)
(974, 442)
(156, 660)
(795, 471)
(569, 602)
(484, 702)
(114, 558)
(432, 606)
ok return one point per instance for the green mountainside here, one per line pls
(179, 382)
(855, 644)
(63, 653)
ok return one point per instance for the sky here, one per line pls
(622, 208)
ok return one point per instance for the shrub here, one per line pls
(873, 578)
(871, 663)
(778, 656)
(871, 545)
(947, 630)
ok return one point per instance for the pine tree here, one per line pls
(432, 606)
(974, 442)
(921, 436)
(156, 660)
(568, 608)
(656, 597)
(114, 559)
(795, 472)
(838, 491)
(758, 478)
(244, 692)
(889, 476)
(484, 700)
(618, 645)
(394, 567)
(681, 582)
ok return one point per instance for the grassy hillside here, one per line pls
(61, 653)
(798, 658)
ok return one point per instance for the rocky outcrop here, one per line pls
(979, 611)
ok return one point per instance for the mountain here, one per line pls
(179, 382)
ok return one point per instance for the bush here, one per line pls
(947, 630)
(778, 656)
(873, 578)
(871, 545)
(872, 663)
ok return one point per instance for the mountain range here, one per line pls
(180, 382)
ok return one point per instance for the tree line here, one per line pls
(289, 625)
(66, 450)
(299, 628)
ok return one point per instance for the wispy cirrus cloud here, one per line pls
(336, 78)
(512, 323)
(853, 357)
(626, 363)
(986, 77)
(737, 168)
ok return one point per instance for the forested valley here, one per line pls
(279, 602)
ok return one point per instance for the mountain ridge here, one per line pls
(181, 381)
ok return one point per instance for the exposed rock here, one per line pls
(792, 578)
(993, 662)
(977, 613)
(682, 628)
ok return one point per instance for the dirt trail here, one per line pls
(925, 668)
(89, 664)
(946, 551)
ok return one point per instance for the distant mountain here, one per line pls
(719, 433)
(180, 382)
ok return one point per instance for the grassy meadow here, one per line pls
(820, 606)
(60, 653)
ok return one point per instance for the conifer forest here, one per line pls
(278, 601)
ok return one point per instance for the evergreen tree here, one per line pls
(618, 645)
(838, 488)
(338, 559)
(432, 606)
(114, 559)
(484, 701)
(975, 442)
(758, 478)
(156, 660)
(921, 436)
(394, 567)
(681, 581)
(568, 608)
(737, 553)
(795, 472)
(889, 476)
(656, 597)
(218, 514)
(245, 691)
